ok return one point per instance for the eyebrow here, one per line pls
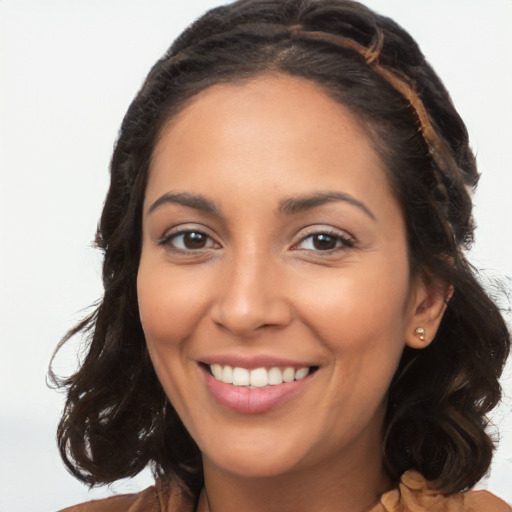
(302, 203)
(196, 201)
(288, 206)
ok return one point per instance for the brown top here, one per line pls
(414, 494)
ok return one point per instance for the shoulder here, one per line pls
(145, 500)
(485, 501)
(414, 493)
(161, 497)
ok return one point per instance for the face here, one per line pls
(274, 285)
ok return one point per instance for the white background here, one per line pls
(68, 70)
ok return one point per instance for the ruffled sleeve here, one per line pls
(415, 494)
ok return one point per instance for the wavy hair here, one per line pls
(117, 419)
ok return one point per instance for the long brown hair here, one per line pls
(117, 418)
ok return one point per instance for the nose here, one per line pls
(250, 297)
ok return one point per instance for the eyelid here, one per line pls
(347, 240)
(166, 239)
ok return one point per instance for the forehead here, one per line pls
(266, 132)
(278, 101)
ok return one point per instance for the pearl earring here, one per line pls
(420, 332)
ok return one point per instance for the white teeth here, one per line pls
(217, 371)
(288, 375)
(240, 377)
(227, 375)
(301, 373)
(259, 377)
(275, 376)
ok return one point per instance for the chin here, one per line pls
(244, 468)
(256, 461)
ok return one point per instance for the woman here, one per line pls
(289, 321)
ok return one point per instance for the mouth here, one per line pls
(257, 384)
(258, 378)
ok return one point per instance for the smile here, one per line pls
(258, 377)
(257, 389)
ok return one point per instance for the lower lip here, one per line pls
(253, 401)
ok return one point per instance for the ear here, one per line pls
(428, 302)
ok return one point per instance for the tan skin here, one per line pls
(238, 273)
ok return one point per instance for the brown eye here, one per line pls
(188, 241)
(194, 240)
(323, 242)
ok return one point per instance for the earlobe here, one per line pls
(428, 310)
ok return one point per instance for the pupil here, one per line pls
(194, 240)
(324, 242)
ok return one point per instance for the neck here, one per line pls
(343, 484)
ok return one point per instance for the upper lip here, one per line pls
(252, 362)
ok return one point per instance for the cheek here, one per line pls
(168, 309)
(358, 303)
(169, 305)
(361, 319)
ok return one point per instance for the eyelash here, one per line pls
(167, 240)
(342, 242)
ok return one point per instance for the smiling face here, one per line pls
(274, 254)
